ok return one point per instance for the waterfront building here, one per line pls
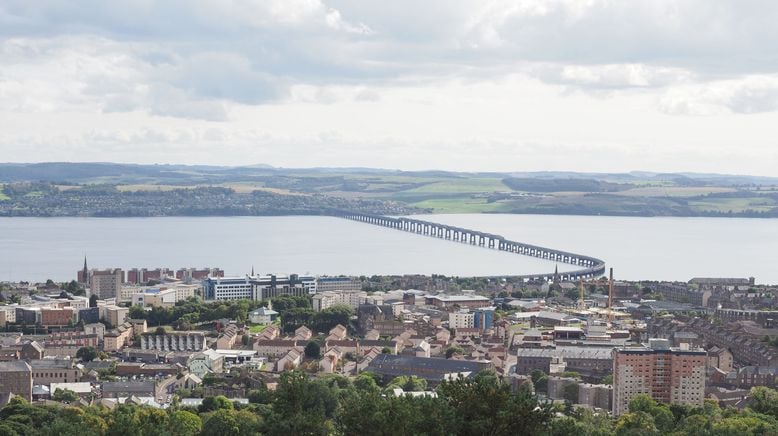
(258, 288)
(324, 284)
(227, 288)
(271, 286)
(669, 375)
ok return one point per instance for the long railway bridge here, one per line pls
(588, 267)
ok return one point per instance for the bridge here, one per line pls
(589, 267)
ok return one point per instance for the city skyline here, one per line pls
(466, 86)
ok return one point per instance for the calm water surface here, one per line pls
(638, 248)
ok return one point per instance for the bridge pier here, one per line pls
(591, 267)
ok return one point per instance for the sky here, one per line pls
(586, 85)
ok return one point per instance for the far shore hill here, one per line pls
(111, 189)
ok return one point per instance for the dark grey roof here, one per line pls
(128, 386)
(429, 368)
(14, 366)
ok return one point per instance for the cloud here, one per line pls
(248, 52)
(748, 95)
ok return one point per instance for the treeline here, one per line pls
(335, 405)
(301, 406)
(297, 311)
(186, 314)
(563, 185)
(294, 312)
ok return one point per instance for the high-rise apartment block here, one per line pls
(668, 375)
(106, 283)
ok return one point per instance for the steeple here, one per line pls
(85, 272)
(252, 270)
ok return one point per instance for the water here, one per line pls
(638, 248)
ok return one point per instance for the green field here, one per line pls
(3, 197)
(461, 205)
(462, 186)
(735, 205)
(673, 191)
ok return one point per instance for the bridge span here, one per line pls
(589, 267)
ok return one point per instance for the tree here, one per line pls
(764, 400)
(486, 405)
(64, 396)
(221, 422)
(408, 384)
(608, 379)
(137, 312)
(453, 350)
(313, 350)
(86, 354)
(183, 423)
(93, 300)
(635, 424)
(570, 392)
(218, 402)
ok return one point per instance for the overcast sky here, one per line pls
(457, 85)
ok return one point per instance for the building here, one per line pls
(720, 358)
(155, 297)
(173, 341)
(143, 275)
(454, 302)
(106, 283)
(16, 378)
(230, 288)
(596, 396)
(90, 315)
(263, 315)
(56, 370)
(326, 299)
(206, 362)
(462, 319)
(271, 286)
(57, 317)
(433, 370)
(326, 284)
(669, 375)
(115, 315)
(228, 337)
(272, 348)
(588, 361)
(290, 360)
(483, 318)
(116, 339)
(191, 275)
(28, 315)
(558, 385)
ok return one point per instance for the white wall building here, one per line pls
(323, 300)
(463, 319)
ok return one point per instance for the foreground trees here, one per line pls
(336, 405)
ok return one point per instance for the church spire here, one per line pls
(85, 272)
(252, 270)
